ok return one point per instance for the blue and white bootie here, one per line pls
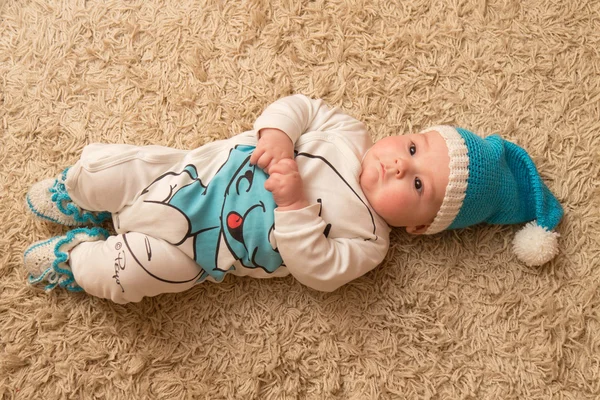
(46, 260)
(49, 200)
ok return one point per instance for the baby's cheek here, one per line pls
(387, 208)
(395, 207)
(368, 179)
(380, 204)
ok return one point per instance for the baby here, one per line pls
(304, 193)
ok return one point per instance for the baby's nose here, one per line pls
(401, 167)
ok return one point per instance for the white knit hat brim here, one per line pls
(457, 180)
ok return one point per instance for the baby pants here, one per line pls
(138, 262)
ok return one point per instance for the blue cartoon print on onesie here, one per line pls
(231, 218)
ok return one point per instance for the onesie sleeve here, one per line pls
(298, 114)
(323, 263)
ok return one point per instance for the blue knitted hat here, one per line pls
(495, 181)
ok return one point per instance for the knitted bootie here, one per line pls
(46, 260)
(49, 200)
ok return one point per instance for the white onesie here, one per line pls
(184, 217)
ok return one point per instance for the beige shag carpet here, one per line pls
(448, 317)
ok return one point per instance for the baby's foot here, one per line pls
(46, 260)
(49, 200)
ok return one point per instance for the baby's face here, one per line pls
(405, 178)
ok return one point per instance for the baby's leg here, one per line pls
(110, 176)
(125, 268)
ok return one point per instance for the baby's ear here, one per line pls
(417, 230)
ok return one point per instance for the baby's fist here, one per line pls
(286, 185)
(273, 145)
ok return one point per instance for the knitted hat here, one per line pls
(495, 181)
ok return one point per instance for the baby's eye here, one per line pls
(412, 149)
(418, 185)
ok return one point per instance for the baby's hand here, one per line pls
(286, 185)
(274, 145)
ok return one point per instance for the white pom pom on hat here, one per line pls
(495, 181)
(535, 245)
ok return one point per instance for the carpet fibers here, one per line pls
(454, 316)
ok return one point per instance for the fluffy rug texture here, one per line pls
(454, 316)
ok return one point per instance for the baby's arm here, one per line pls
(296, 115)
(320, 262)
(315, 260)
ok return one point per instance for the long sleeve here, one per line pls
(337, 238)
(323, 263)
(298, 114)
